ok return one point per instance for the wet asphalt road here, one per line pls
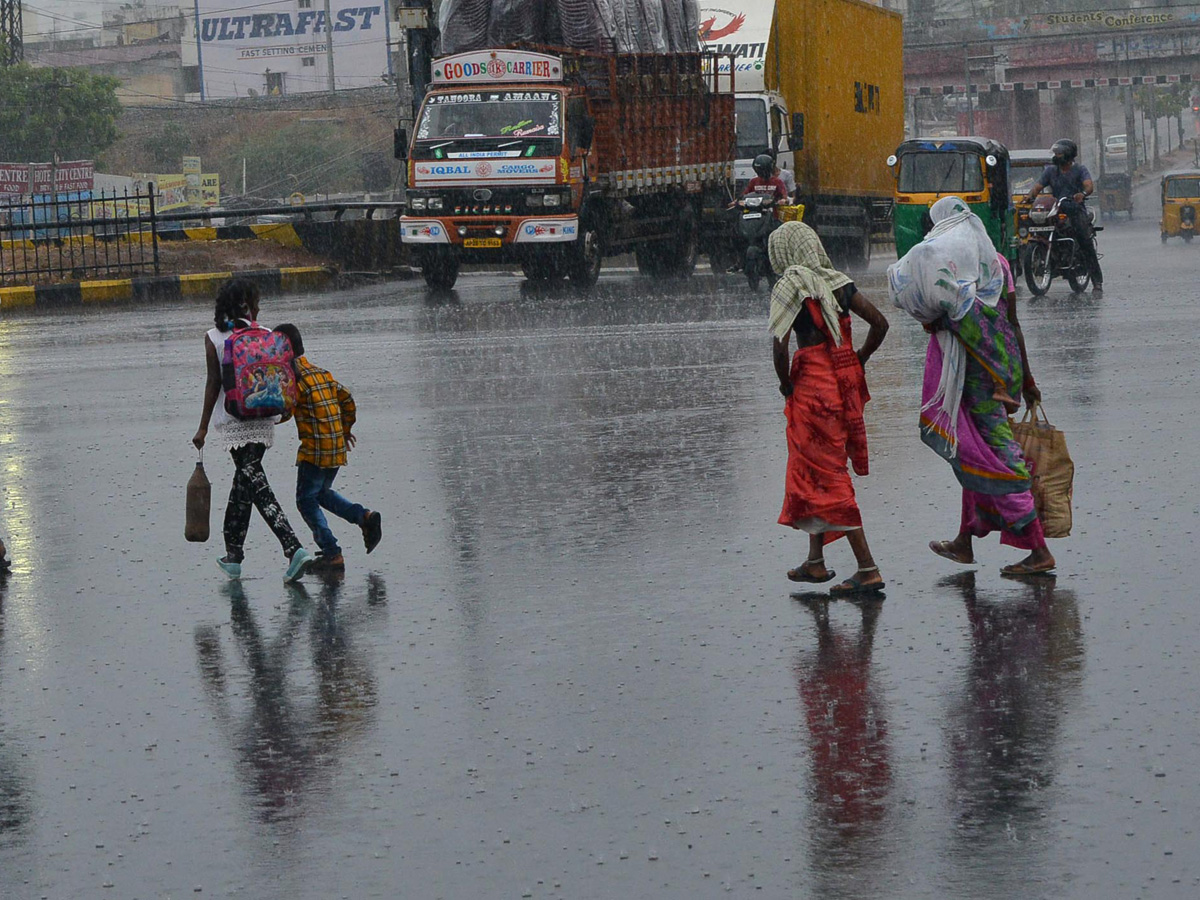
(574, 667)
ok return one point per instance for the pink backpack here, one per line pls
(257, 373)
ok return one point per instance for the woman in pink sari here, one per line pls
(961, 290)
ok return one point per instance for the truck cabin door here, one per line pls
(580, 131)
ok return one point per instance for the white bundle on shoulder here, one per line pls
(946, 274)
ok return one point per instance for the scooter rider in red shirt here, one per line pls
(765, 181)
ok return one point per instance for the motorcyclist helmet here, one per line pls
(1064, 151)
(764, 165)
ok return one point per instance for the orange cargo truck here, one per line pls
(554, 159)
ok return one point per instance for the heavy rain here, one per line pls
(574, 668)
(544, 246)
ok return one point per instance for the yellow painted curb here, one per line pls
(300, 277)
(105, 291)
(207, 283)
(279, 232)
(201, 234)
(16, 296)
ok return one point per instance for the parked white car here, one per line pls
(1116, 146)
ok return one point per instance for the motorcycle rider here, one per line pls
(765, 181)
(1072, 183)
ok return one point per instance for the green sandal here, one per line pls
(854, 586)
(798, 573)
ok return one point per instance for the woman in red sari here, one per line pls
(826, 390)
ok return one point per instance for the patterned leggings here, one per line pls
(250, 488)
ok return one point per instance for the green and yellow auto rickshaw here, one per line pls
(975, 169)
(1180, 200)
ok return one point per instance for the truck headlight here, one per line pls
(551, 200)
(436, 203)
(535, 199)
(416, 203)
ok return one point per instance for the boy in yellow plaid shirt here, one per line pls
(325, 414)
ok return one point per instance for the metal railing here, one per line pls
(304, 211)
(117, 235)
(47, 239)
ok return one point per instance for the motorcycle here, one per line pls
(757, 223)
(1051, 248)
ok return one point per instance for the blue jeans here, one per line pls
(314, 493)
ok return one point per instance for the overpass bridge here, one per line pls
(1088, 57)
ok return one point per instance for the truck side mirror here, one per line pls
(400, 143)
(797, 131)
(587, 133)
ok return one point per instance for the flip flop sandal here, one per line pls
(1019, 570)
(856, 587)
(941, 548)
(798, 573)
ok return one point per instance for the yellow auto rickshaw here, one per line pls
(1025, 168)
(1180, 198)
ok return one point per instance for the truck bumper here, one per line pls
(466, 234)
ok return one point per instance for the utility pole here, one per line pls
(970, 107)
(1154, 121)
(11, 33)
(415, 17)
(1099, 127)
(329, 45)
(1130, 137)
(1130, 130)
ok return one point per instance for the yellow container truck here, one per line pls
(832, 109)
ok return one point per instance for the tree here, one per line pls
(304, 157)
(44, 112)
(167, 147)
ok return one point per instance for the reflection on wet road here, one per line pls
(1023, 679)
(283, 741)
(848, 750)
(574, 667)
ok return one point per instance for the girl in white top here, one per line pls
(246, 440)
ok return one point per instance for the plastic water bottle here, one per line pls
(199, 498)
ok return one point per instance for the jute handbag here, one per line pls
(1045, 451)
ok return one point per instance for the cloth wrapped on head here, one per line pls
(946, 274)
(805, 271)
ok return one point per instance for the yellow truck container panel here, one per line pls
(841, 64)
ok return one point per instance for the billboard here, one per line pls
(956, 22)
(210, 189)
(23, 179)
(274, 48)
(738, 28)
(171, 190)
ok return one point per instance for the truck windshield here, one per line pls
(1183, 188)
(752, 136)
(499, 123)
(940, 173)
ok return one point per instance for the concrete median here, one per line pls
(162, 288)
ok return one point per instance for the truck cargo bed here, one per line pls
(661, 119)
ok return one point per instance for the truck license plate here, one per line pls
(489, 243)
